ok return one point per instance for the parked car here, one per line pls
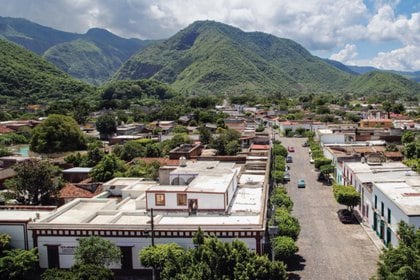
(286, 177)
(305, 144)
(311, 160)
(289, 159)
(291, 149)
(301, 183)
(346, 217)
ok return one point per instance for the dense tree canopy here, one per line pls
(97, 251)
(107, 167)
(57, 133)
(346, 195)
(106, 124)
(211, 259)
(36, 181)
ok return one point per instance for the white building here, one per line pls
(223, 198)
(395, 202)
(14, 222)
(367, 177)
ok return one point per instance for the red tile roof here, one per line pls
(4, 130)
(260, 147)
(72, 191)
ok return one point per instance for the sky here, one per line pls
(380, 33)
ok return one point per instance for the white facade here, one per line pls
(395, 202)
(230, 202)
(327, 136)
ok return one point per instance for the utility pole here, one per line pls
(152, 226)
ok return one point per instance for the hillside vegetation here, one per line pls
(384, 83)
(92, 57)
(26, 78)
(211, 57)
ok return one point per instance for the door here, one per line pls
(53, 256)
(126, 258)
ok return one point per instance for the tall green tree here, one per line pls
(96, 251)
(57, 133)
(347, 196)
(36, 181)
(107, 167)
(106, 124)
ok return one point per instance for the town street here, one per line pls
(328, 249)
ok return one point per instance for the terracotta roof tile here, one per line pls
(72, 191)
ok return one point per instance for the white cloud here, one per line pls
(349, 52)
(386, 26)
(320, 26)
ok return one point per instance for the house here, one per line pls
(6, 173)
(369, 123)
(14, 221)
(376, 180)
(76, 174)
(84, 190)
(395, 202)
(226, 199)
(187, 151)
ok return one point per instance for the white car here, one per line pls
(311, 160)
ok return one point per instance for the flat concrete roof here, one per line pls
(78, 170)
(211, 182)
(210, 220)
(247, 200)
(406, 197)
(21, 215)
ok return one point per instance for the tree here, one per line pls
(205, 135)
(287, 224)
(18, 264)
(402, 262)
(57, 133)
(284, 247)
(211, 259)
(98, 251)
(157, 256)
(4, 242)
(347, 196)
(279, 198)
(387, 107)
(408, 137)
(107, 167)
(106, 124)
(35, 181)
(321, 161)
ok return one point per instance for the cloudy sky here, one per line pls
(380, 33)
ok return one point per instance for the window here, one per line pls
(160, 199)
(389, 216)
(382, 209)
(181, 199)
(376, 201)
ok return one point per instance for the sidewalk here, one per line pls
(370, 232)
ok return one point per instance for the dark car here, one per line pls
(346, 217)
(289, 159)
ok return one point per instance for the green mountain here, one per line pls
(93, 57)
(383, 83)
(211, 57)
(414, 76)
(26, 78)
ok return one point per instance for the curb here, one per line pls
(369, 233)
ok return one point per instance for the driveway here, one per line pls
(328, 249)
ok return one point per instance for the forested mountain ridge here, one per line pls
(92, 57)
(26, 78)
(211, 57)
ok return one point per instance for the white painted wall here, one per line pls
(397, 215)
(16, 232)
(67, 260)
(211, 201)
(332, 138)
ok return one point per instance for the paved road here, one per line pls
(328, 249)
